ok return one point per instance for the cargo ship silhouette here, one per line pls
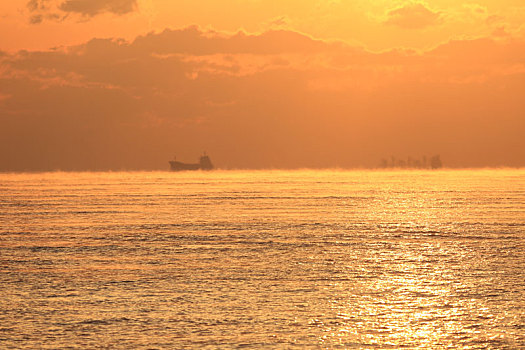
(203, 164)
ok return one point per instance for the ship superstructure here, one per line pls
(203, 164)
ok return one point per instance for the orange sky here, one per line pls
(260, 83)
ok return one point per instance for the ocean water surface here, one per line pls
(263, 259)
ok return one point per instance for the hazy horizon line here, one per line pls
(299, 169)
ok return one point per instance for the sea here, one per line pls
(364, 259)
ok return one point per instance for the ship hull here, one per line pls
(204, 164)
(178, 166)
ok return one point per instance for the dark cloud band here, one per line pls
(92, 8)
(48, 10)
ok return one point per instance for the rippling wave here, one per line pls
(350, 259)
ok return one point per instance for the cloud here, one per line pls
(413, 16)
(273, 99)
(38, 5)
(55, 10)
(193, 40)
(41, 10)
(500, 32)
(91, 8)
(278, 22)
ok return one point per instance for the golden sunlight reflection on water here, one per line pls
(413, 259)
